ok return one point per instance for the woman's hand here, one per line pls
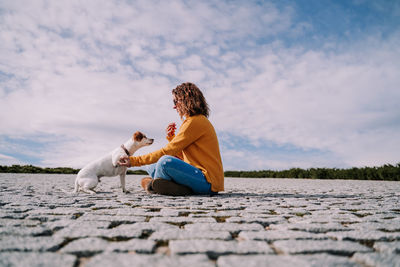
(171, 129)
(124, 161)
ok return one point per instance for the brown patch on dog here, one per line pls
(138, 136)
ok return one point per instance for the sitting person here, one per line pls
(191, 162)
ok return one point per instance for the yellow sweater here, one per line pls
(197, 142)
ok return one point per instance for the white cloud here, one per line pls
(7, 160)
(319, 100)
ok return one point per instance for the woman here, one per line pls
(191, 161)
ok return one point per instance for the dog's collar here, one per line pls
(126, 150)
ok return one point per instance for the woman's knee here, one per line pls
(163, 162)
(165, 159)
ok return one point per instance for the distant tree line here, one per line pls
(58, 170)
(385, 172)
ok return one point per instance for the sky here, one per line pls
(305, 83)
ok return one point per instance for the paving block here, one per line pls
(182, 220)
(30, 243)
(273, 235)
(10, 223)
(140, 260)
(124, 231)
(364, 235)
(377, 259)
(319, 246)
(181, 234)
(133, 245)
(85, 247)
(231, 227)
(38, 230)
(312, 227)
(218, 247)
(44, 259)
(111, 218)
(259, 260)
(263, 221)
(285, 261)
(388, 247)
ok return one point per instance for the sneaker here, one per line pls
(146, 183)
(167, 187)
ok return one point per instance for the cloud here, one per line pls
(7, 160)
(85, 75)
(320, 100)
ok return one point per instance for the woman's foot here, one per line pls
(167, 187)
(146, 183)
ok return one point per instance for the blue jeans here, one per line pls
(174, 169)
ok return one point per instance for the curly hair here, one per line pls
(191, 99)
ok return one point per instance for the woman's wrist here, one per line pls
(132, 161)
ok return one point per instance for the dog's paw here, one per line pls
(126, 191)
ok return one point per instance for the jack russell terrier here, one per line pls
(89, 176)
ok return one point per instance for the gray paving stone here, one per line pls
(366, 235)
(133, 245)
(33, 259)
(393, 226)
(111, 218)
(377, 259)
(319, 246)
(211, 213)
(120, 232)
(312, 227)
(38, 230)
(259, 260)
(85, 247)
(90, 246)
(273, 235)
(327, 260)
(29, 243)
(231, 227)
(388, 247)
(217, 247)
(284, 261)
(17, 223)
(128, 260)
(326, 217)
(121, 212)
(12, 215)
(263, 221)
(51, 218)
(57, 211)
(168, 212)
(178, 234)
(182, 220)
(151, 227)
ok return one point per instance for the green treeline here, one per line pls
(59, 170)
(385, 172)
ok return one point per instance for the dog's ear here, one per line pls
(138, 136)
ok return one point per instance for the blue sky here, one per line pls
(290, 83)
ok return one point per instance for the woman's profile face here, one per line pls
(177, 106)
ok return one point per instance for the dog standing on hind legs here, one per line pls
(89, 176)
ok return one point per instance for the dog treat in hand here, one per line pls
(171, 130)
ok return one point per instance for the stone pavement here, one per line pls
(255, 222)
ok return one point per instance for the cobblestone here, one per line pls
(319, 246)
(255, 222)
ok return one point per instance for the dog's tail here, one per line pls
(76, 186)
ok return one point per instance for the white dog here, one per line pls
(89, 176)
